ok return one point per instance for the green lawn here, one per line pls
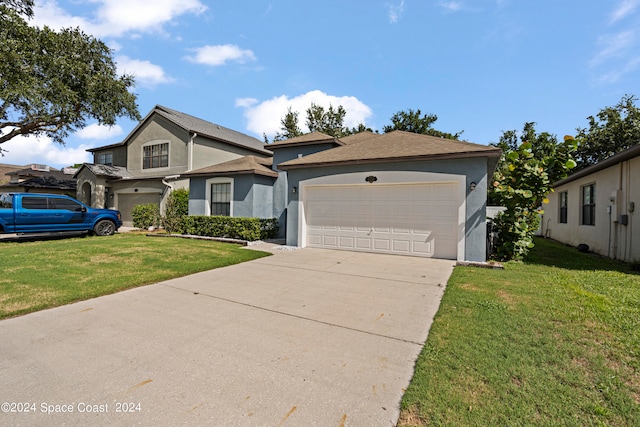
(553, 341)
(47, 273)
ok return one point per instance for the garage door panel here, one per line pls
(410, 219)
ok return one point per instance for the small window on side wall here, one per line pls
(589, 204)
(564, 203)
(105, 159)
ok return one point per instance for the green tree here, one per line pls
(288, 126)
(329, 122)
(52, 83)
(522, 182)
(414, 121)
(611, 131)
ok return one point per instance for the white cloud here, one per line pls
(624, 9)
(395, 11)
(118, 17)
(264, 117)
(98, 131)
(452, 6)
(220, 55)
(25, 150)
(145, 73)
(613, 46)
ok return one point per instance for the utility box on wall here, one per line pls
(623, 219)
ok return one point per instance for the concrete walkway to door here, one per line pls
(304, 337)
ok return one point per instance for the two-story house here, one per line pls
(150, 161)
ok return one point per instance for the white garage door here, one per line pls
(407, 219)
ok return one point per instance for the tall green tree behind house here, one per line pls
(611, 131)
(523, 179)
(288, 127)
(414, 121)
(53, 82)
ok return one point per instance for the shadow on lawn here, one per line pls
(552, 253)
(41, 236)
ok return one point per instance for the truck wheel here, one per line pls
(104, 228)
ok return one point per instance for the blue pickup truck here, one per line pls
(47, 213)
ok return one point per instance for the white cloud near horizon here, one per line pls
(221, 54)
(264, 117)
(26, 150)
(145, 73)
(108, 19)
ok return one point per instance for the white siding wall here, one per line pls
(617, 187)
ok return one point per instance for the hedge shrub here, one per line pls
(250, 229)
(145, 216)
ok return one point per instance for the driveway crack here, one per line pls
(295, 316)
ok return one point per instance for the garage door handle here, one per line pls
(370, 231)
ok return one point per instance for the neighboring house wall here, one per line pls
(472, 226)
(617, 190)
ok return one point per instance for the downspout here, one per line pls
(190, 149)
(168, 185)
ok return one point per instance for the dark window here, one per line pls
(564, 197)
(589, 205)
(105, 159)
(155, 156)
(34, 203)
(6, 201)
(67, 204)
(221, 199)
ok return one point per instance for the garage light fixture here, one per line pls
(472, 186)
(294, 189)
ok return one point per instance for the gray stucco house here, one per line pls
(396, 193)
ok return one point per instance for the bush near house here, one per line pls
(235, 228)
(177, 207)
(145, 216)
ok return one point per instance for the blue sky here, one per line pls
(482, 66)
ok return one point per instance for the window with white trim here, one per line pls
(221, 198)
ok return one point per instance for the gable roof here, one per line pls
(243, 165)
(199, 126)
(395, 146)
(114, 172)
(306, 139)
(622, 156)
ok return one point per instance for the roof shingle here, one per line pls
(243, 165)
(393, 146)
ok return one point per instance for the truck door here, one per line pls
(34, 215)
(69, 214)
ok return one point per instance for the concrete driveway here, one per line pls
(305, 337)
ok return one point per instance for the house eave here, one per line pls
(628, 154)
(446, 156)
